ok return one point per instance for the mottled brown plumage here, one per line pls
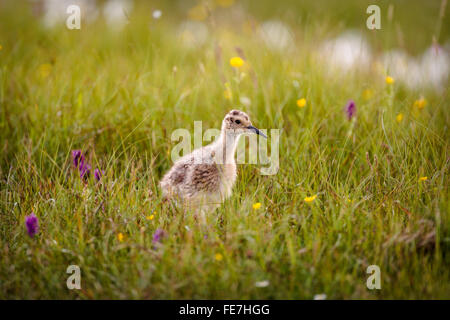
(205, 178)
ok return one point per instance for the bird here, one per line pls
(204, 178)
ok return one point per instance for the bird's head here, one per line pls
(238, 122)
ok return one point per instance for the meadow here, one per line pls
(370, 188)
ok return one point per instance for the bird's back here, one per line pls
(197, 175)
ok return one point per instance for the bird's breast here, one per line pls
(228, 178)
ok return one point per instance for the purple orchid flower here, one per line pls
(98, 174)
(85, 170)
(79, 162)
(77, 157)
(32, 224)
(158, 235)
(350, 109)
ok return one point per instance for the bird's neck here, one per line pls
(226, 147)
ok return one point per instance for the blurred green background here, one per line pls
(137, 70)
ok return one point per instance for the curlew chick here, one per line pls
(204, 178)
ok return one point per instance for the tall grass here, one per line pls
(118, 95)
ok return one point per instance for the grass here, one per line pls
(118, 95)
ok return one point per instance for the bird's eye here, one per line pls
(238, 121)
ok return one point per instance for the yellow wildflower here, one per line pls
(311, 198)
(399, 117)
(420, 104)
(367, 94)
(390, 80)
(236, 62)
(150, 217)
(218, 257)
(423, 178)
(120, 237)
(301, 102)
(257, 205)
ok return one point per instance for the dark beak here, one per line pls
(256, 130)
